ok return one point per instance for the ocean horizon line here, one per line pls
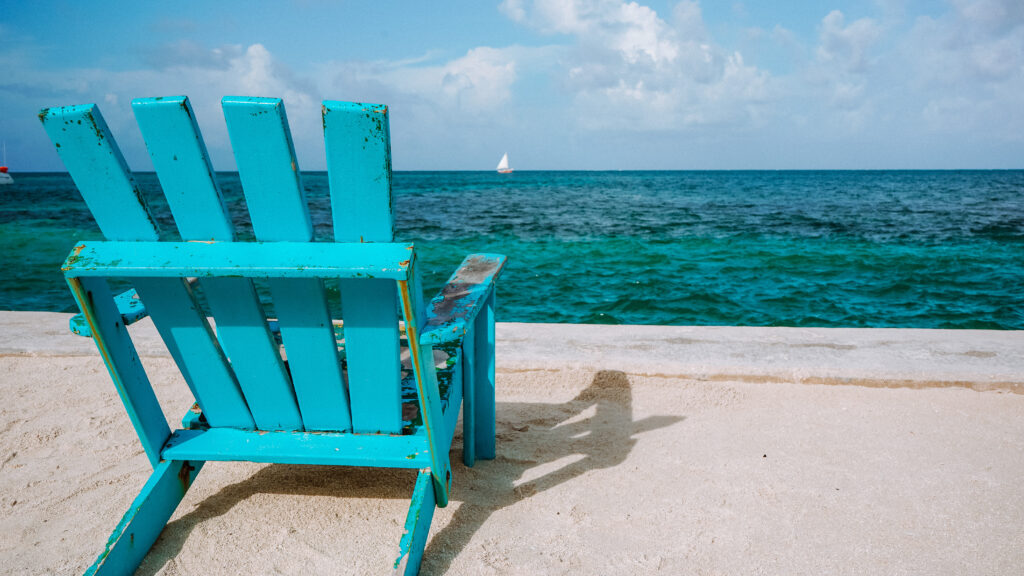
(614, 170)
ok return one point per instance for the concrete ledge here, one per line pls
(878, 357)
(977, 359)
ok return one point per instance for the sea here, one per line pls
(907, 249)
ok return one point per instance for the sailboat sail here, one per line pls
(503, 165)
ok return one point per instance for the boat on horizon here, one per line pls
(503, 167)
(5, 178)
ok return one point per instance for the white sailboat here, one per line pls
(503, 165)
(5, 178)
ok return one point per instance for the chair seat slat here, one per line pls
(328, 448)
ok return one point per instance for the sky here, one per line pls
(557, 84)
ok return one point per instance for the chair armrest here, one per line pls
(450, 314)
(128, 304)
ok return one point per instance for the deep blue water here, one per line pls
(921, 249)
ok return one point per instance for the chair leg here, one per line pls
(483, 381)
(417, 526)
(149, 512)
(468, 401)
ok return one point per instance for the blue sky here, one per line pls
(558, 84)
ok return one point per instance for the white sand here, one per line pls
(621, 450)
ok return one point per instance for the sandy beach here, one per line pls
(621, 450)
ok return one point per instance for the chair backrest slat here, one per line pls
(170, 131)
(96, 165)
(269, 171)
(358, 147)
(183, 167)
(185, 330)
(268, 168)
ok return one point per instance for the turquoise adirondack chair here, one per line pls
(347, 403)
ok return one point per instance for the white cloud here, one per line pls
(186, 53)
(689, 21)
(981, 41)
(846, 47)
(634, 32)
(968, 67)
(632, 70)
(257, 73)
(937, 112)
(480, 80)
(513, 9)
(477, 82)
(251, 71)
(842, 78)
(990, 16)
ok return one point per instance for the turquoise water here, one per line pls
(913, 249)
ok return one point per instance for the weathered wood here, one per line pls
(417, 526)
(194, 420)
(269, 171)
(452, 312)
(240, 259)
(268, 168)
(358, 147)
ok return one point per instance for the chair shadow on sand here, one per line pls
(592, 431)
